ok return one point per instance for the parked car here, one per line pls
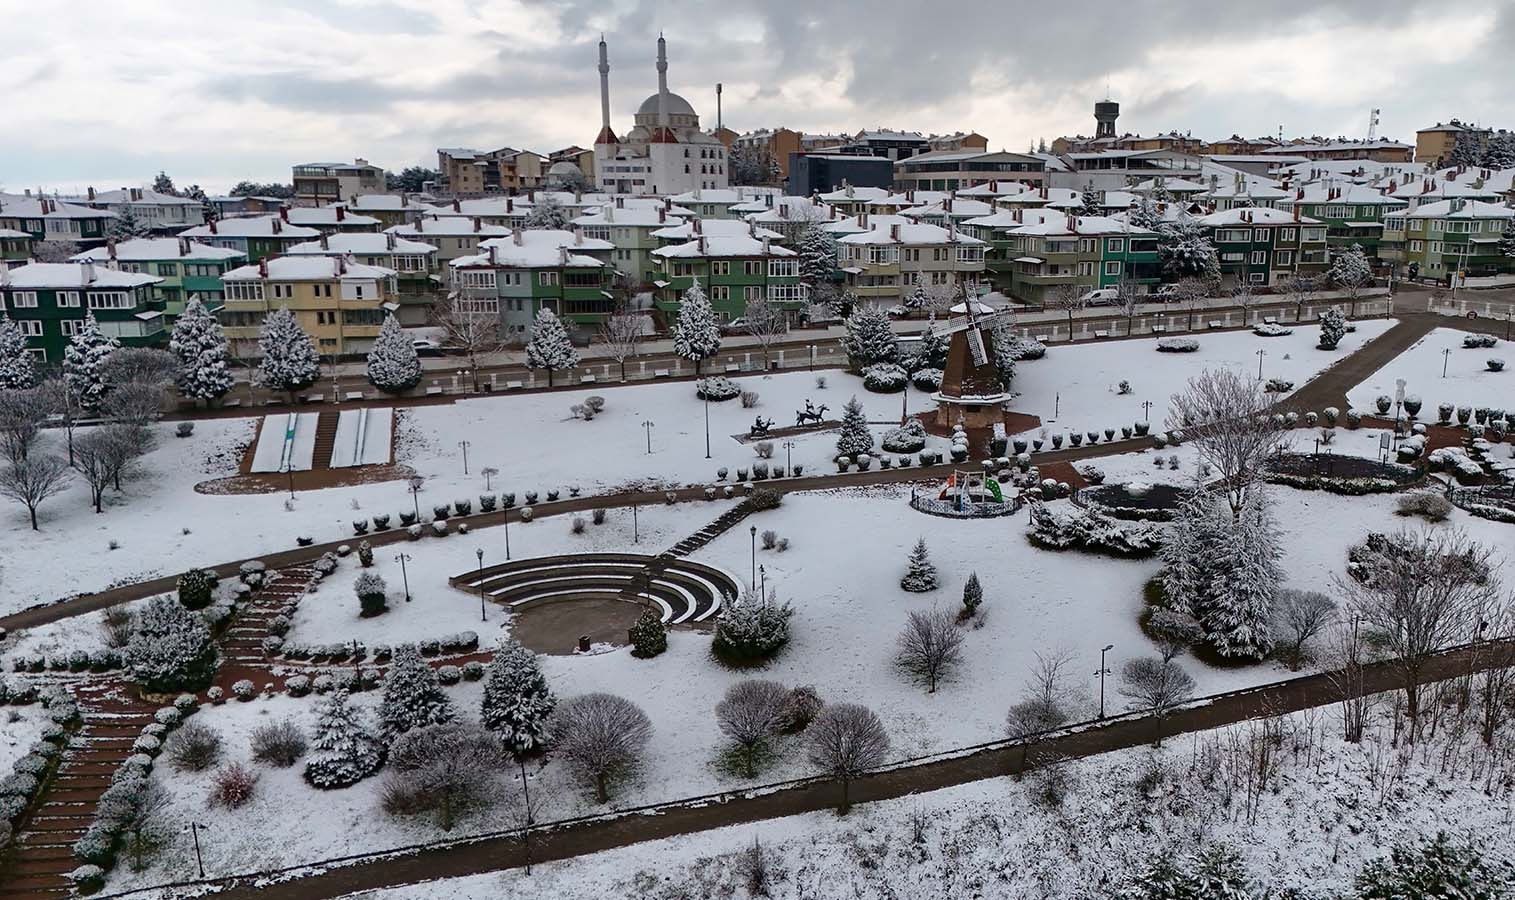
(1167, 293)
(426, 347)
(735, 326)
(1101, 297)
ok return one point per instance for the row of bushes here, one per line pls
(30, 772)
(356, 651)
(441, 512)
(103, 659)
(864, 461)
(759, 471)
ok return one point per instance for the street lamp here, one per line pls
(194, 829)
(402, 559)
(762, 581)
(789, 457)
(636, 536)
(1102, 673)
(1446, 356)
(464, 445)
(647, 426)
(415, 495)
(1146, 410)
(505, 519)
(1260, 355)
(480, 554)
(752, 532)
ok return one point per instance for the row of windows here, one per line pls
(1451, 226)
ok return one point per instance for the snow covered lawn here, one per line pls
(20, 726)
(1075, 388)
(1468, 381)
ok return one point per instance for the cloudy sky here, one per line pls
(107, 92)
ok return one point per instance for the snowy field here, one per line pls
(20, 726)
(1075, 388)
(1325, 814)
(1468, 381)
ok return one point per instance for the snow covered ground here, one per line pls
(1330, 808)
(278, 450)
(1468, 381)
(1075, 388)
(20, 726)
(364, 437)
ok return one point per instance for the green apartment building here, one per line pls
(1262, 246)
(50, 301)
(515, 277)
(453, 236)
(15, 247)
(256, 237)
(1437, 240)
(1352, 213)
(46, 219)
(733, 269)
(186, 269)
(631, 229)
(1087, 252)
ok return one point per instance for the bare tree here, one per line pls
(1300, 289)
(446, 769)
(1129, 304)
(1495, 687)
(140, 365)
(1191, 292)
(34, 479)
(1423, 592)
(1068, 298)
(93, 458)
(1224, 415)
(1348, 655)
(1046, 704)
(750, 714)
(22, 415)
(846, 740)
(1173, 632)
(62, 401)
(54, 251)
(766, 323)
(126, 443)
(470, 327)
(620, 334)
(1155, 687)
(1298, 617)
(134, 403)
(930, 646)
(602, 735)
(1242, 296)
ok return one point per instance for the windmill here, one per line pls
(971, 392)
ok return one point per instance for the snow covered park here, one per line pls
(1467, 381)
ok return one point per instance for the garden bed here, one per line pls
(1338, 474)
(1155, 504)
(1494, 502)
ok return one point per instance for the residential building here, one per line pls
(891, 145)
(388, 209)
(958, 140)
(322, 184)
(1352, 213)
(947, 170)
(1441, 238)
(778, 143)
(631, 230)
(15, 247)
(883, 263)
(257, 237)
(1243, 191)
(340, 304)
(715, 203)
(332, 219)
(824, 171)
(1434, 190)
(733, 270)
(1236, 145)
(1067, 199)
(518, 276)
(998, 232)
(852, 199)
(1435, 144)
(470, 173)
(951, 209)
(184, 269)
(789, 216)
(665, 152)
(228, 207)
(582, 159)
(1264, 246)
(1378, 150)
(162, 213)
(50, 219)
(453, 236)
(416, 278)
(51, 300)
(1116, 169)
(1082, 253)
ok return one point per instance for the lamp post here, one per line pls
(1102, 673)
(415, 495)
(1146, 410)
(1260, 355)
(707, 424)
(194, 830)
(789, 457)
(647, 427)
(752, 532)
(505, 520)
(402, 559)
(480, 554)
(636, 536)
(1446, 356)
(762, 581)
(464, 445)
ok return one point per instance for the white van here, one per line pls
(1101, 297)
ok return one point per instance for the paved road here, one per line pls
(1005, 758)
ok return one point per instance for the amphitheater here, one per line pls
(687, 592)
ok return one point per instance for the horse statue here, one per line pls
(760, 427)
(812, 414)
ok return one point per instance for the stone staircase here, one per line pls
(727, 520)
(326, 439)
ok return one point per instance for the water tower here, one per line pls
(1105, 113)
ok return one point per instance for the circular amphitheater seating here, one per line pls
(685, 591)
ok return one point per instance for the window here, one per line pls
(1257, 278)
(1088, 245)
(1287, 235)
(244, 290)
(1436, 226)
(1085, 269)
(68, 299)
(1259, 257)
(783, 268)
(329, 344)
(970, 254)
(1313, 235)
(547, 279)
(1417, 246)
(1112, 267)
(720, 267)
(478, 279)
(1260, 235)
(786, 293)
(883, 255)
(1232, 257)
(1231, 235)
(109, 300)
(168, 270)
(30, 327)
(487, 305)
(720, 292)
(1115, 245)
(1416, 225)
(24, 300)
(1283, 258)
(285, 291)
(752, 267)
(201, 270)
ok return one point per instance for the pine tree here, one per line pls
(1465, 152)
(973, 594)
(1189, 551)
(1219, 875)
(918, 298)
(869, 339)
(126, 226)
(920, 575)
(393, 366)
(1159, 878)
(1246, 580)
(648, 636)
(854, 437)
(84, 363)
(817, 255)
(1144, 214)
(170, 649)
(18, 368)
(290, 362)
(1333, 327)
(517, 699)
(413, 696)
(1438, 869)
(1005, 354)
(344, 751)
(695, 335)
(930, 350)
(751, 628)
(1091, 202)
(1506, 244)
(548, 213)
(200, 346)
(550, 347)
(164, 184)
(1186, 252)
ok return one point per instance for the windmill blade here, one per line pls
(976, 347)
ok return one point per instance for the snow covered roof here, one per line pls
(366, 244)
(902, 199)
(793, 209)
(549, 237)
(1255, 189)
(307, 268)
(962, 208)
(139, 196)
(1066, 198)
(1436, 188)
(447, 226)
(326, 216)
(24, 207)
(719, 245)
(149, 249)
(855, 224)
(887, 135)
(711, 195)
(249, 227)
(640, 216)
(854, 194)
(1171, 185)
(512, 257)
(1458, 208)
(69, 275)
(386, 203)
(1354, 194)
(684, 231)
(1082, 225)
(1018, 218)
(11, 233)
(1254, 215)
(908, 234)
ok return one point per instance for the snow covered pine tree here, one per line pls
(920, 575)
(854, 437)
(695, 335)
(289, 362)
(412, 695)
(517, 699)
(18, 369)
(84, 363)
(1333, 327)
(550, 347)
(869, 339)
(200, 346)
(393, 366)
(344, 751)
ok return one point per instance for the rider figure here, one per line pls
(809, 407)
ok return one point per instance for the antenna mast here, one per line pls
(1373, 123)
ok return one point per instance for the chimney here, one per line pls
(284, 213)
(531, 196)
(1296, 212)
(697, 228)
(1300, 194)
(894, 232)
(510, 205)
(478, 224)
(212, 224)
(562, 255)
(278, 226)
(578, 235)
(765, 247)
(494, 254)
(947, 204)
(91, 193)
(389, 240)
(325, 244)
(702, 244)
(87, 272)
(662, 215)
(951, 230)
(516, 236)
(862, 220)
(183, 246)
(263, 268)
(457, 205)
(341, 213)
(342, 265)
(620, 202)
(110, 248)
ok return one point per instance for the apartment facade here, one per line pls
(388, 209)
(1082, 252)
(882, 264)
(950, 170)
(339, 304)
(1263, 247)
(161, 213)
(48, 219)
(632, 230)
(256, 237)
(733, 270)
(50, 302)
(1438, 240)
(184, 269)
(1435, 144)
(453, 236)
(467, 172)
(322, 183)
(417, 279)
(1352, 213)
(518, 276)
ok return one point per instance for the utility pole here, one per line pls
(1102, 673)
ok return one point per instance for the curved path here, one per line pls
(685, 591)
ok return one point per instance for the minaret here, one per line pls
(606, 135)
(663, 133)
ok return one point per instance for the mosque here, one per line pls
(665, 152)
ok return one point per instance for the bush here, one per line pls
(147, 744)
(171, 649)
(1478, 341)
(1495, 364)
(752, 628)
(578, 524)
(598, 516)
(168, 716)
(372, 591)
(884, 378)
(234, 786)
(297, 685)
(90, 878)
(648, 636)
(473, 670)
(928, 380)
(449, 674)
(1426, 504)
(716, 388)
(1177, 345)
(197, 588)
(907, 438)
(764, 498)
(244, 689)
(749, 399)
(488, 503)
(770, 539)
(439, 528)
(193, 748)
